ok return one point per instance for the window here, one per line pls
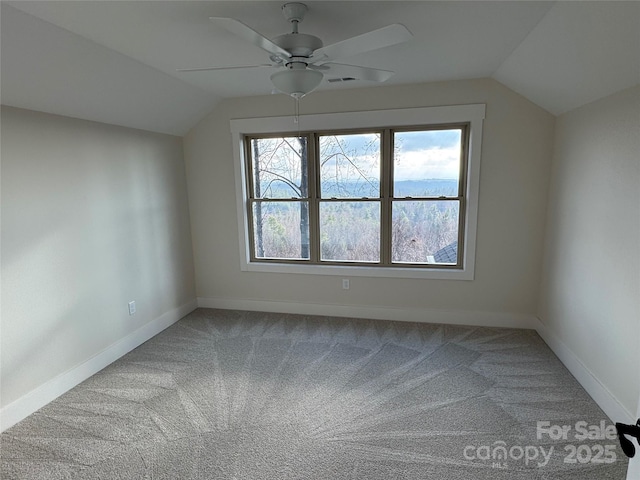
(393, 197)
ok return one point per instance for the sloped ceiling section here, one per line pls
(117, 61)
(49, 69)
(452, 40)
(578, 53)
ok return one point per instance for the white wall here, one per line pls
(93, 216)
(634, 463)
(513, 190)
(590, 294)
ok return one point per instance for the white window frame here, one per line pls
(471, 114)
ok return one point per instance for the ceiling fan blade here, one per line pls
(342, 72)
(235, 67)
(383, 37)
(240, 29)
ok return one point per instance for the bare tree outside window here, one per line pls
(280, 173)
(350, 191)
(343, 208)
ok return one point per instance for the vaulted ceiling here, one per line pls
(117, 61)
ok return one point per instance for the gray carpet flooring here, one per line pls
(251, 396)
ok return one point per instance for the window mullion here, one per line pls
(462, 193)
(385, 207)
(314, 194)
(250, 196)
(462, 215)
(249, 167)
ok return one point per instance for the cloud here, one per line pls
(441, 163)
(419, 155)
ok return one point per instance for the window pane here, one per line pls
(279, 167)
(281, 229)
(425, 231)
(427, 163)
(350, 231)
(350, 166)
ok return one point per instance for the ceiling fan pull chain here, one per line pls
(296, 112)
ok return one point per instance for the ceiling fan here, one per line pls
(302, 60)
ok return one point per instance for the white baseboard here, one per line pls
(450, 317)
(633, 473)
(45, 393)
(600, 394)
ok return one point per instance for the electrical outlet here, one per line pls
(132, 307)
(345, 284)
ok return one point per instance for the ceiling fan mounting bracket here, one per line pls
(294, 12)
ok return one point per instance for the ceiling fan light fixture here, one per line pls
(296, 82)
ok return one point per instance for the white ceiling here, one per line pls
(116, 61)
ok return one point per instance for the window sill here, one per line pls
(360, 271)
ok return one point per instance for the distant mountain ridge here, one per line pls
(433, 187)
(428, 187)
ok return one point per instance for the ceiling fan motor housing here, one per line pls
(298, 44)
